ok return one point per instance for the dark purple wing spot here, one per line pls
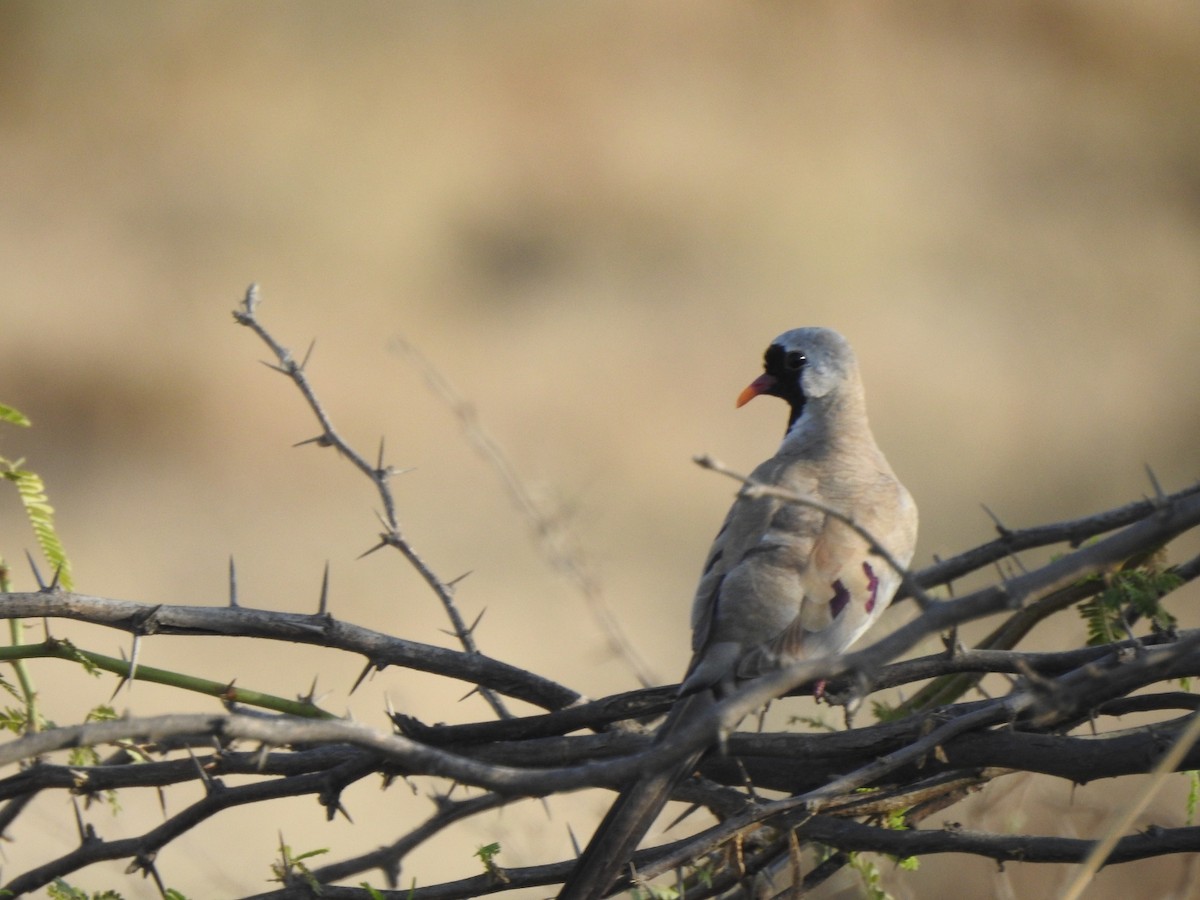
(841, 597)
(872, 585)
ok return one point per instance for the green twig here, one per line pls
(225, 691)
(16, 630)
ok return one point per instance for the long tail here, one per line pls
(633, 812)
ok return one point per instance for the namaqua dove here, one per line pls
(783, 582)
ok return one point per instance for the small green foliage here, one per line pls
(885, 712)
(172, 894)
(290, 866)
(13, 416)
(61, 890)
(40, 514)
(814, 722)
(872, 878)
(72, 652)
(80, 757)
(373, 893)
(83, 756)
(101, 713)
(653, 892)
(1135, 590)
(487, 855)
(14, 720)
(89, 756)
(897, 820)
(6, 685)
(1193, 795)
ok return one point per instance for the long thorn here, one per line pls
(79, 825)
(1004, 530)
(1160, 498)
(37, 575)
(134, 653)
(233, 591)
(379, 546)
(323, 605)
(367, 670)
(311, 696)
(321, 440)
(205, 778)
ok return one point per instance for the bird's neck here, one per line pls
(828, 424)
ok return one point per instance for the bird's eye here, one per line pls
(795, 360)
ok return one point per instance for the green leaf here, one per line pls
(291, 864)
(70, 651)
(487, 853)
(14, 720)
(83, 756)
(40, 514)
(1136, 591)
(15, 417)
(897, 820)
(310, 854)
(872, 878)
(101, 713)
(885, 712)
(814, 722)
(61, 890)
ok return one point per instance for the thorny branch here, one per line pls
(524, 757)
(832, 788)
(380, 476)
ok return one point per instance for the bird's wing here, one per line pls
(753, 585)
(785, 581)
(845, 585)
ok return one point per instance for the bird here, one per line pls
(783, 581)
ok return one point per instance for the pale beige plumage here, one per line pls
(783, 581)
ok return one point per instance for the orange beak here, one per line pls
(760, 385)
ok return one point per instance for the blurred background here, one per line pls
(591, 219)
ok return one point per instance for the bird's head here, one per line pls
(801, 365)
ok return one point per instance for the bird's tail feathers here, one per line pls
(634, 811)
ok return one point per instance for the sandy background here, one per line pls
(591, 218)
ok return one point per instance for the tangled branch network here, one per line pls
(768, 796)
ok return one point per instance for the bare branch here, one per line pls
(554, 539)
(1073, 532)
(300, 628)
(379, 476)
